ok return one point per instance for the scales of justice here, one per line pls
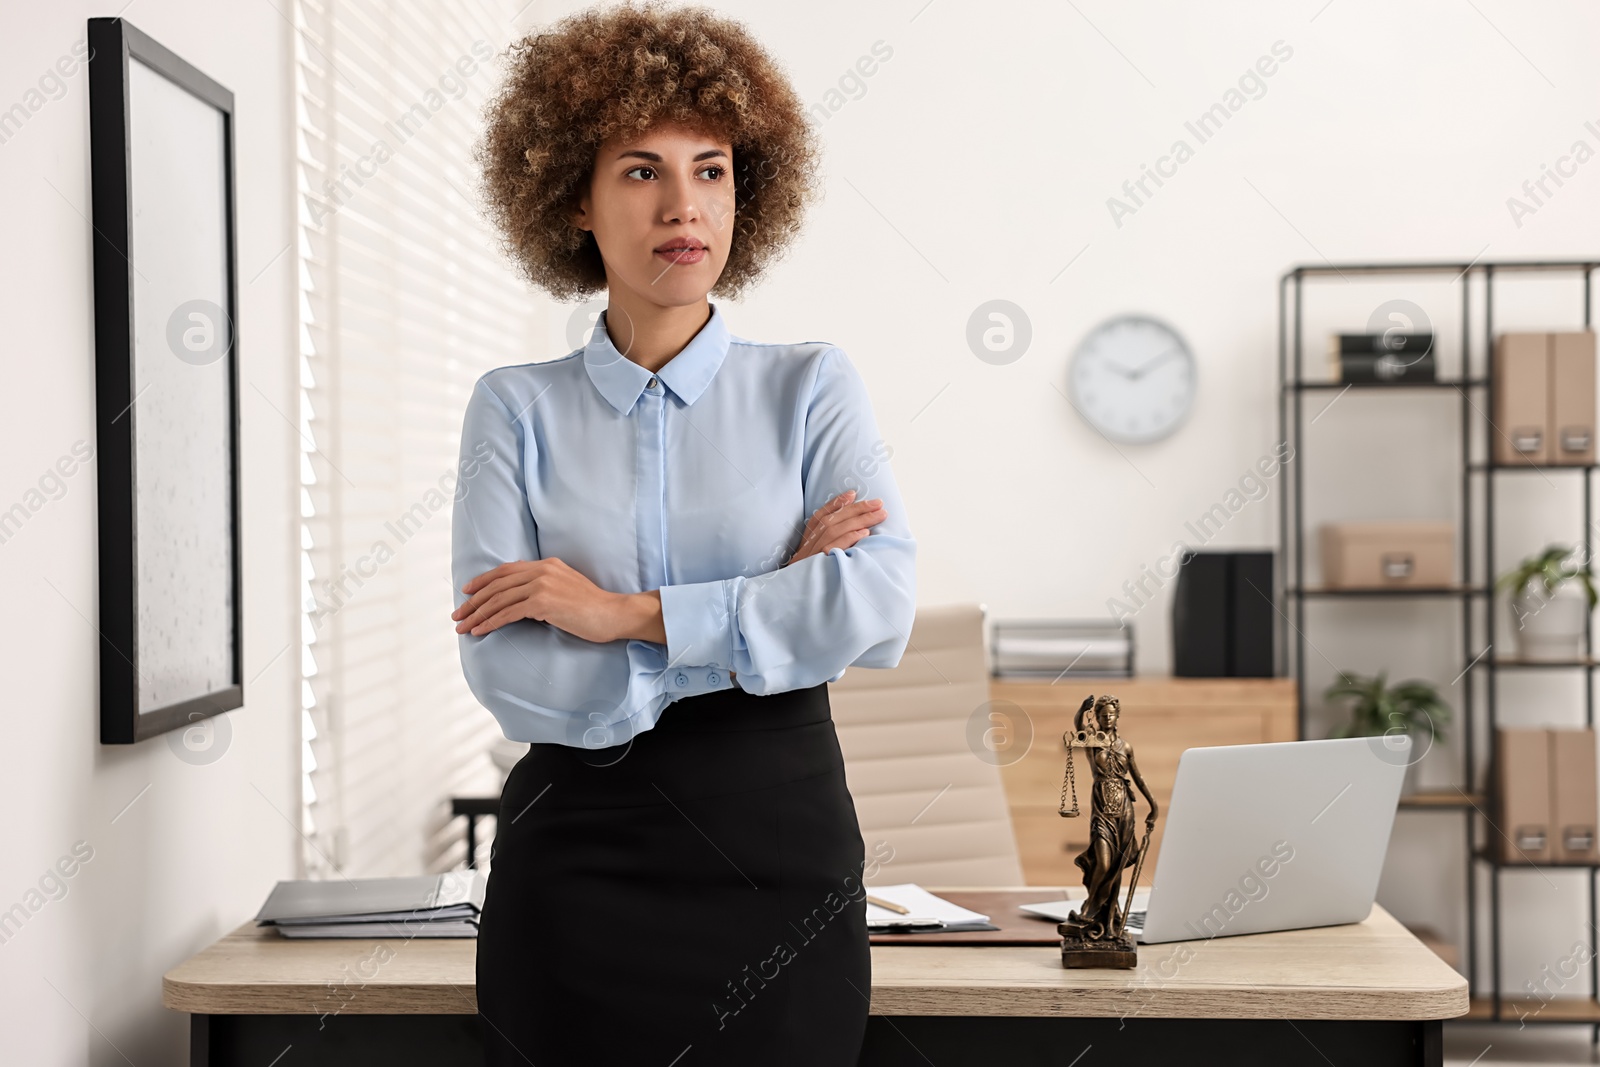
(1093, 934)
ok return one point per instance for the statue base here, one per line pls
(1118, 952)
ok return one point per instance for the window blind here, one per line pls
(405, 300)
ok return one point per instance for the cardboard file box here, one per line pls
(1574, 801)
(1521, 427)
(1384, 555)
(1572, 399)
(1522, 792)
(1544, 398)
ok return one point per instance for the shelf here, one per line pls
(1533, 1010)
(1441, 799)
(1455, 269)
(1526, 468)
(1430, 590)
(1509, 663)
(1437, 383)
(1473, 284)
(1543, 865)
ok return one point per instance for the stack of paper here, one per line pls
(1060, 909)
(926, 910)
(429, 905)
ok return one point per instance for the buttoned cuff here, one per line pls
(652, 678)
(699, 620)
(694, 681)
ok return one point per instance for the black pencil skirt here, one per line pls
(692, 897)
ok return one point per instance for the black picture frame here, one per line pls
(167, 387)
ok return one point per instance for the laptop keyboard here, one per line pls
(1135, 919)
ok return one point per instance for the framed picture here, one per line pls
(167, 387)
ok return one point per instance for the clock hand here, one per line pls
(1144, 368)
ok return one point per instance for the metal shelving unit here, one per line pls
(1472, 799)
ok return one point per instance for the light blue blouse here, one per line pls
(697, 481)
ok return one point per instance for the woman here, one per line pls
(1112, 845)
(665, 545)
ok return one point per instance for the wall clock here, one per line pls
(1133, 379)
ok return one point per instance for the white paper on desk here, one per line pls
(1058, 909)
(923, 905)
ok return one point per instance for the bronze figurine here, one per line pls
(1093, 935)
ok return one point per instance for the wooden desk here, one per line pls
(1367, 993)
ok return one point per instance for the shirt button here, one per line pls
(652, 382)
(713, 679)
(683, 679)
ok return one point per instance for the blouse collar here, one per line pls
(621, 380)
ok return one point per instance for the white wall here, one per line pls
(181, 851)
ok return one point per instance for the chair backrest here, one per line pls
(913, 763)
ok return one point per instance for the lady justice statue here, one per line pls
(1093, 935)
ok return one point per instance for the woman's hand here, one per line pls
(546, 590)
(838, 524)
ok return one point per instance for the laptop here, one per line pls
(1275, 836)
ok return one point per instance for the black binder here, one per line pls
(1222, 616)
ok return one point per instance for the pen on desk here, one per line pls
(891, 905)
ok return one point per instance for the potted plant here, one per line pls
(1376, 708)
(1549, 617)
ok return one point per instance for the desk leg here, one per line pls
(199, 1041)
(1432, 1043)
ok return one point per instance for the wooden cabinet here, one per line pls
(1161, 717)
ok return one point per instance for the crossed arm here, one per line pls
(795, 626)
(548, 590)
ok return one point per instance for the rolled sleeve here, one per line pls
(699, 621)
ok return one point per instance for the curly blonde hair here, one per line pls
(602, 72)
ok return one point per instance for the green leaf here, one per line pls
(1413, 705)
